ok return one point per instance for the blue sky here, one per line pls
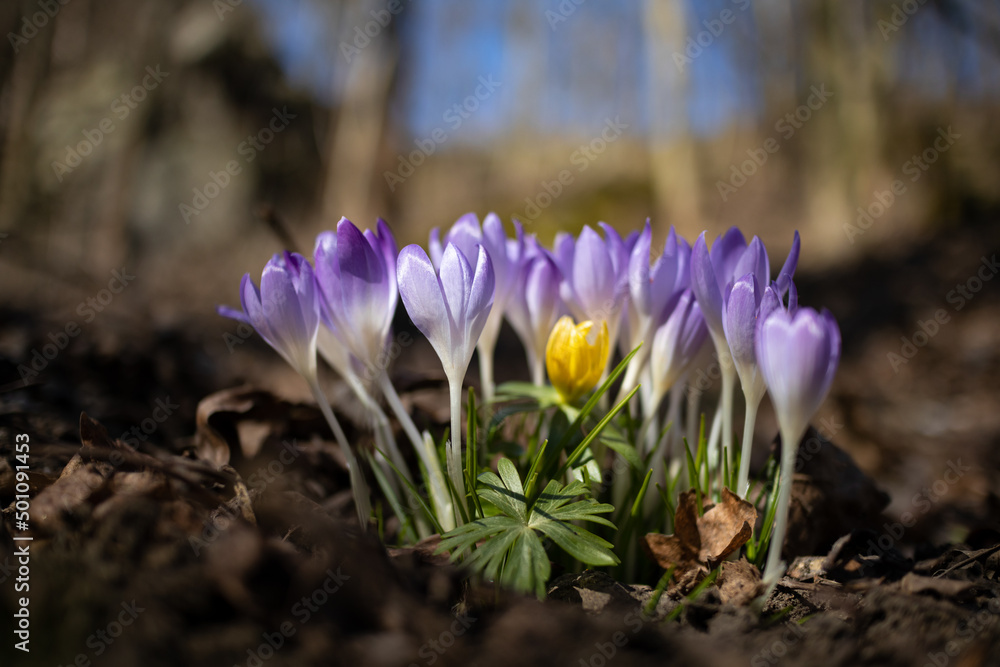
(571, 75)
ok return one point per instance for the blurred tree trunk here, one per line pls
(774, 22)
(673, 159)
(842, 141)
(357, 131)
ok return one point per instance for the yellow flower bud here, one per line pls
(575, 357)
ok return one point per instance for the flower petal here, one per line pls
(705, 284)
(740, 321)
(420, 290)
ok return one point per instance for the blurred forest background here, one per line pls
(166, 136)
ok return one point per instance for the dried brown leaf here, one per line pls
(701, 542)
(725, 527)
(240, 417)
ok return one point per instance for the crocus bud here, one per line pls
(535, 306)
(450, 305)
(285, 310)
(575, 357)
(797, 353)
(356, 273)
(676, 343)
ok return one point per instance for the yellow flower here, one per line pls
(575, 357)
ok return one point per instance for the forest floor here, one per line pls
(145, 551)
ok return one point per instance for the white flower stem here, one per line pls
(746, 445)
(486, 372)
(386, 439)
(693, 419)
(728, 389)
(358, 484)
(381, 422)
(537, 364)
(774, 567)
(437, 488)
(454, 448)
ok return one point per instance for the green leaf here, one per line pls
(578, 542)
(585, 510)
(508, 473)
(510, 548)
(594, 432)
(528, 566)
(503, 499)
(622, 447)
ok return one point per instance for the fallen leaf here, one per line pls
(949, 588)
(242, 418)
(701, 542)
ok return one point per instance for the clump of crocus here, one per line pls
(449, 306)
(711, 274)
(285, 311)
(356, 274)
(575, 357)
(797, 351)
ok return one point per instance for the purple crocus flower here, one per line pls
(729, 259)
(449, 306)
(535, 305)
(742, 304)
(676, 343)
(284, 311)
(652, 289)
(595, 276)
(798, 353)
(505, 256)
(356, 274)
(745, 304)
(711, 273)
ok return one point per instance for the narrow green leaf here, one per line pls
(416, 495)
(594, 432)
(592, 401)
(654, 601)
(642, 494)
